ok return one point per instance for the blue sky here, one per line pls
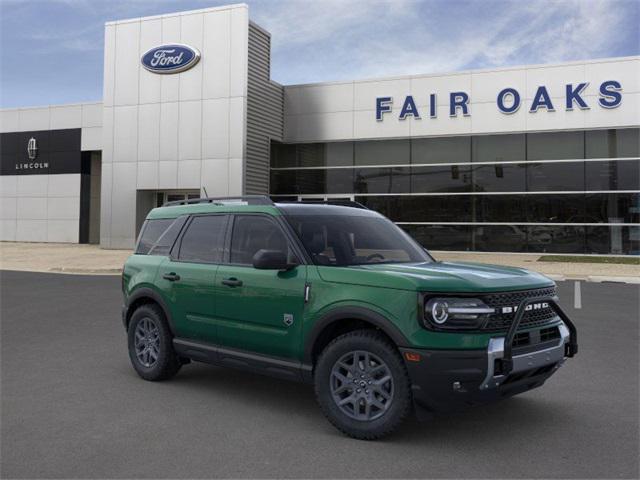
(51, 50)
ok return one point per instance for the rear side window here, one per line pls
(203, 240)
(163, 245)
(151, 232)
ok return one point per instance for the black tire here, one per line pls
(167, 363)
(377, 345)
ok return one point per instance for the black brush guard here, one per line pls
(571, 348)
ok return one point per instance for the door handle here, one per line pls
(172, 277)
(232, 282)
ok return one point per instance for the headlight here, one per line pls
(456, 313)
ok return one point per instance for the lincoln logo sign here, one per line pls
(508, 101)
(172, 58)
(32, 154)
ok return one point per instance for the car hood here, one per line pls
(437, 277)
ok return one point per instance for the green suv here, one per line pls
(340, 297)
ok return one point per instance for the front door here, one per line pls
(187, 278)
(259, 310)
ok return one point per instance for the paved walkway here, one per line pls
(70, 258)
(61, 257)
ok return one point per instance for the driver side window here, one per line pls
(252, 233)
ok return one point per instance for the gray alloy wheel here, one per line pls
(147, 342)
(361, 385)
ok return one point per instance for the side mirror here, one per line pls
(271, 260)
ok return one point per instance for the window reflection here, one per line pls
(613, 175)
(382, 152)
(447, 178)
(565, 176)
(613, 207)
(500, 238)
(556, 239)
(441, 150)
(441, 237)
(499, 148)
(382, 180)
(500, 178)
(556, 208)
(613, 240)
(612, 143)
(555, 145)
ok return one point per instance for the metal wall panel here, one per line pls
(265, 113)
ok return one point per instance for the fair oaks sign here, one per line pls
(173, 58)
(508, 100)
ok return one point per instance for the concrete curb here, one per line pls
(86, 271)
(593, 278)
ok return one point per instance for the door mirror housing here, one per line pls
(271, 260)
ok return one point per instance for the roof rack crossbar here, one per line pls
(249, 199)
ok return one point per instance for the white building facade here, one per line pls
(538, 158)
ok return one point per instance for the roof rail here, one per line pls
(248, 199)
(341, 203)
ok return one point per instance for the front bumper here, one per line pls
(449, 380)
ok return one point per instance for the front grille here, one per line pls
(531, 318)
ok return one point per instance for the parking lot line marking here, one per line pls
(577, 299)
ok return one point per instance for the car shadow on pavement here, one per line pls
(508, 419)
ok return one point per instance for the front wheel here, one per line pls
(362, 385)
(151, 344)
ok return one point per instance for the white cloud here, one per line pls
(325, 40)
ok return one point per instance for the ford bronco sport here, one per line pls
(340, 297)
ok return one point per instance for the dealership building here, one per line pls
(541, 158)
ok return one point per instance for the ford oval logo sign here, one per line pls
(173, 58)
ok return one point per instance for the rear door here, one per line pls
(259, 310)
(187, 277)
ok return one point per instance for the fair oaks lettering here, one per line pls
(508, 101)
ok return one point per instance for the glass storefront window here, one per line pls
(612, 143)
(310, 155)
(495, 182)
(499, 208)
(499, 148)
(440, 150)
(339, 154)
(567, 208)
(499, 178)
(613, 175)
(500, 238)
(283, 155)
(382, 152)
(555, 145)
(440, 179)
(441, 237)
(562, 176)
(382, 180)
(613, 207)
(283, 182)
(613, 240)
(556, 239)
(339, 180)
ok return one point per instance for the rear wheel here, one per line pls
(362, 385)
(151, 344)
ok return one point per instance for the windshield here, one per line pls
(344, 240)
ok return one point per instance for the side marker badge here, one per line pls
(287, 319)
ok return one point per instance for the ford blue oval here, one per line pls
(172, 58)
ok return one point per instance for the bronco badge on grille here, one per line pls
(531, 306)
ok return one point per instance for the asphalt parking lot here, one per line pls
(73, 407)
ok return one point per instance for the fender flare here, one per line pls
(352, 313)
(146, 292)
